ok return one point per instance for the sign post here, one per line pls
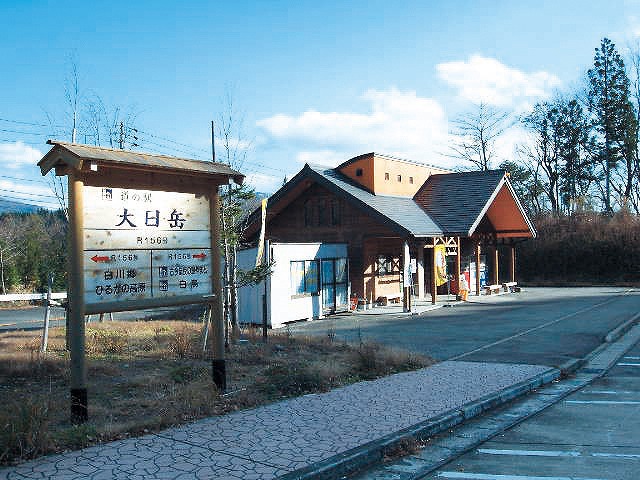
(218, 364)
(144, 232)
(78, 374)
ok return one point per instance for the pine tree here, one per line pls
(613, 117)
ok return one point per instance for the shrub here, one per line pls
(24, 430)
(105, 341)
(292, 380)
(371, 360)
(180, 342)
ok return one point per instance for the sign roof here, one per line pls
(74, 155)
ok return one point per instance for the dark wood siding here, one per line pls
(352, 226)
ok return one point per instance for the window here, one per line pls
(384, 265)
(304, 277)
(308, 213)
(335, 213)
(322, 212)
(410, 179)
(399, 178)
(386, 176)
(358, 172)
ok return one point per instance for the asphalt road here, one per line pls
(591, 434)
(545, 326)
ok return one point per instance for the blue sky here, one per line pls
(311, 81)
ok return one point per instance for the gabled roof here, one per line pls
(74, 155)
(447, 204)
(401, 212)
(459, 201)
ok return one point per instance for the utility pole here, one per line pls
(213, 142)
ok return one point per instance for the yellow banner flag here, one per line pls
(440, 252)
(260, 252)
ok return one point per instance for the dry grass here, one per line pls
(145, 376)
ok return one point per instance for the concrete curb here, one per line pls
(618, 332)
(373, 452)
(571, 366)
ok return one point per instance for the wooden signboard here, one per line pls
(144, 247)
(144, 232)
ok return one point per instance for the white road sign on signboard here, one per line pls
(143, 244)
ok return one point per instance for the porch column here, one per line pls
(434, 289)
(478, 268)
(496, 266)
(406, 272)
(458, 258)
(420, 271)
(513, 263)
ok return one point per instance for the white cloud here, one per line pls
(16, 155)
(398, 122)
(264, 183)
(482, 79)
(330, 158)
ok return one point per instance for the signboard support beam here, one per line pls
(218, 364)
(78, 373)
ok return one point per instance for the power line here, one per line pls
(18, 122)
(21, 132)
(27, 193)
(170, 140)
(40, 180)
(13, 140)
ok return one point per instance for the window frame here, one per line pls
(306, 270)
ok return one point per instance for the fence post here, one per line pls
(47, 314)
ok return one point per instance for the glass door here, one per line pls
(328, 286)
(335, 280)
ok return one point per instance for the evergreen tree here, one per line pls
(613, 119)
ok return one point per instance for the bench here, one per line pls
(510, 287)
(489, 289)
(386, 299)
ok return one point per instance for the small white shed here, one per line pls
(309, 280)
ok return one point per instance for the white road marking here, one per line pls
(607, 392)
(631, 358)
(554, 453)
(616, 455)
(544, 325)
(485, 476)
(530, 453)
(602, 402)
(623, 364)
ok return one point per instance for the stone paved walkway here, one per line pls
(270, 441)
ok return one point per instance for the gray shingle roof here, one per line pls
(456, 200)
(401, 211)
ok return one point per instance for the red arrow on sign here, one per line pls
(97, 259)
(199, 255)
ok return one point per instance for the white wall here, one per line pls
(249, 297)
(281, 307)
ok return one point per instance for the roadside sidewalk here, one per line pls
(422, 306)
(315, 436)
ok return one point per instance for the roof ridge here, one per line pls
(118, 150)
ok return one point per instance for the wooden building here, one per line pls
(391, 216)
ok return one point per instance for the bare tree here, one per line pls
(230, 130)
(475, 133)
(236, 203)
(9, 247)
